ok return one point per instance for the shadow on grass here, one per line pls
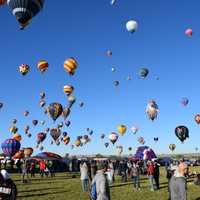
(46, 178)
(43, 194)
(36, 190)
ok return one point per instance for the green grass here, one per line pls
(63, 187)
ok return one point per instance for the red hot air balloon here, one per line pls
(189, 32)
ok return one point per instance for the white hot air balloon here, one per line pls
(134, 129)
(131, 26)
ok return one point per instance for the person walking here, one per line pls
(25, 172)
(8, 189)
(156, 174)
(135, 172)
(101, 183)
(93, 168)
(84, 176)
(150, 173)
(178, 184)
(42, 168)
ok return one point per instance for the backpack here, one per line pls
(93, 192)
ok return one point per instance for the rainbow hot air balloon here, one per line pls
(42, 65)
(70, 65)
(10, 147)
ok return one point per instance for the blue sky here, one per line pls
(86, 30)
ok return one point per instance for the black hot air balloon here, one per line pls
(25, 10)
(55, 110)
(182, 133)
(155, 139)
(35, 122)
(55, 133)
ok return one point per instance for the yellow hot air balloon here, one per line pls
(17, 137)
(13, 129)
(68, 89)
(42, 65)
(122, 129)
(70, 65)
(78, 142)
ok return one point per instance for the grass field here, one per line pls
(63, 187)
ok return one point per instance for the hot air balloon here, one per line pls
(17, 137)
(66, 140)
(184, 101)
(113, 2)
(141, 140)
(66, 112)
(106, 144)
(29, 135)
(24, 69)
(71, 100)
(134, 129)
(41, 148)
(42, 65)
(26, 113)
(172, 147)
(182, 133)
(102, 136)
(28, 152)
(131, 26)
(14, 121)
(42, 103)
(130, 148)
(81, 104)
(42, 95)
(25, 10)
(26, 128)
(70, 65)
(60, 125)
(67, 123)
(155, 139)
(189, 32)
(41, 137)
(1, 105)
(197, 118)
(47, 130)
(55, 133)
(2, 2)
(113, 137)
(77, 142)
(113, 69)
(35, 122)
(109, 53)
(55, 110)
(64, 134)
(122, 129)
(116, 83)
(145, 153)
(18, 155)
(152, 110)
(10, 147)
(13, 129)
(68, 89)
(119, 149)
(143, 73)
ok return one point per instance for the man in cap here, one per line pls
(102, 186)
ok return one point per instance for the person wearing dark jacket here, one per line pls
(8, 189)
(156, 174)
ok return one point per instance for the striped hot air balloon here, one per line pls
(10, 147)
(28, 151)
(42, 65)
(24, 69)
(68, 89)
(70, 65)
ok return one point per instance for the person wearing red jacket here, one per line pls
(150, 173)
(42, 168)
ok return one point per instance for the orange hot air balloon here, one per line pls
(42, 65)
(197, 118)
(122, 129)
(68, 89)
(19, 155)
(2, 2)
(66, 140)
(17, 137)
(70, 65)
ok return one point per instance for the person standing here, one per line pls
(84, 176)
(156, 174)
(178, 184)
(32, 169)
(150, 173)
(93, 168)
(135, 172)
(101, 182)
(42, 168)
(25, 175)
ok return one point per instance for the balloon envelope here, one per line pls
(10, 147)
